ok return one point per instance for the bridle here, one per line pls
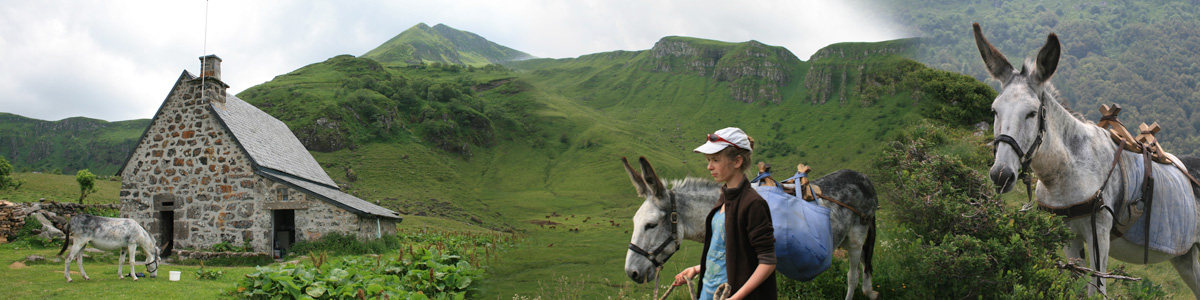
(155, 262)
(1026, 157)
(673, 217)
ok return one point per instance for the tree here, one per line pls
(6, 179)
(87, 183)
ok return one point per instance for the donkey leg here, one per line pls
(868, 285)
(79, 260)
(853, 253)
(121, 264)
(132, 260)
(1189, 270)
(854, 243)
(67, 265)
(1103, 223)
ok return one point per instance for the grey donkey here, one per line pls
(108, 234)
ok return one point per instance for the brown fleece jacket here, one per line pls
(749, 239)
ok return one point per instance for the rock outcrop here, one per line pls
(754, 71)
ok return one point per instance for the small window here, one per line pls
(281, 194)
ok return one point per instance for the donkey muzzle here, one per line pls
(1004, 178)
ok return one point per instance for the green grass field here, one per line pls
(61, 188)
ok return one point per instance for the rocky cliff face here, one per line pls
(754, 71)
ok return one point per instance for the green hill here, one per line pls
(533, 146)
(440, 43)
(68, 145)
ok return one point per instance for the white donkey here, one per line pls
(1085, 176)
(108, 234)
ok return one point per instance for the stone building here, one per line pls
(212, 168)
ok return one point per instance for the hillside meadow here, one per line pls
(533, 149)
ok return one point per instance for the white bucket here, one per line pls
(175, 275)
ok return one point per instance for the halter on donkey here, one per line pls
(668, 216)
(108, 234)
(1081, 169)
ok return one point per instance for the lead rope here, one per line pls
(722, 292)
(672, 288)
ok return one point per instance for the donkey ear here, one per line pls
(996, 63)
(638, 182)
(1047, 59)
(654, 185)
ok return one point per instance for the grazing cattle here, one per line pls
(108, 234)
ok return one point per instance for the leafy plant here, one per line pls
(208, 274)
(417, 274)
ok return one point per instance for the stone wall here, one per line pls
(189, 164)
(12, 215)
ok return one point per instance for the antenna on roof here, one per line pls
(204, 51)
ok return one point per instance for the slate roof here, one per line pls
(268, 141)
(277, 153)
(334, 196)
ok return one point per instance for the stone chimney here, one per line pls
(210, 66)
(213, 89)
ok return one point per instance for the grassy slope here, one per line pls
(60, 188)
(595, 109)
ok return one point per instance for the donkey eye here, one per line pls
(1031, 115)
(651, 226)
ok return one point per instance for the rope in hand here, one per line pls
(722, 292)
(690, 291)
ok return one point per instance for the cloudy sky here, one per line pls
(116, 60)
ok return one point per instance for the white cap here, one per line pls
(730, 136)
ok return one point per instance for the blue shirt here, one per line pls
(714, 271)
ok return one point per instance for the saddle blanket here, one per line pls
(1173, 207)
(803, 245)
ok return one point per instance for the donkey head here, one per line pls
(152, 266)
(655, 235)
(1019, 108)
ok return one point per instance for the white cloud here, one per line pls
(116, 60)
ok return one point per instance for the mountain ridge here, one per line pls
(68, 145)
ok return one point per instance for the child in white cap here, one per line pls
(739, 243)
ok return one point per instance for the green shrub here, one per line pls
(346, 244)
(102, 211)
(957, 99)
(229, 247)
(232, 261)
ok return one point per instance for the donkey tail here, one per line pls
(67, 241)
(869, 249)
